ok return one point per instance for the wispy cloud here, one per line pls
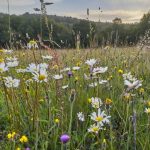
(18, 2)
(23, 2)
(108, 15)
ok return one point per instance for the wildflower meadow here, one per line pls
(74, 83)
(80, 99)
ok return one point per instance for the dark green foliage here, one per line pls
(65, 29)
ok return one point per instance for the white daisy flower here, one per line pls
(11, 59)
(129, 76)
(91, 62)
(94, 128)
(76, 68)
(10, 82)
(93, 84)
(133, 85)
(12, 63)
(58, 77)
(48, 57)
(96, 102)
(36, 68)
(99, 70)
(101, 118)
(103, 82)
(65, 69)
(65, 87)
(42, 66)
(32, 68)
(40, 76)
(80, 116)
(32, 44)
(3, 67)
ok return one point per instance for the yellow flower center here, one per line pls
(141, 90)
(42, 77)
(96, 104)
(95, 129)
(99, 118)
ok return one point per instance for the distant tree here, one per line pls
(117, 20)
(144, 23)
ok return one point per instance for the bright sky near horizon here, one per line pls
(129, 10)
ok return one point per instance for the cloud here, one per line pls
(23, 2)
(55, 1)
(126, 4)
(108, 15)
(18, 2)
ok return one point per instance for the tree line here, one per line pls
(67, 31)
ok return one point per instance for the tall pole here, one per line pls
(41, 21)
(9, 28)
(89, 34)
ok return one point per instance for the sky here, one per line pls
(129, 11)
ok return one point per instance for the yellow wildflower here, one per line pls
(9, 135)
(57, 120)
(127, 96)
(76, 78)
(78, 63)
(141, 90)
(104, 140)
(41, 100)
(89, 100)
(120, 71)
(108, 101)
(32, 42)
(13, 134)
(110, 77)
(55, 67)
(23, 139)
